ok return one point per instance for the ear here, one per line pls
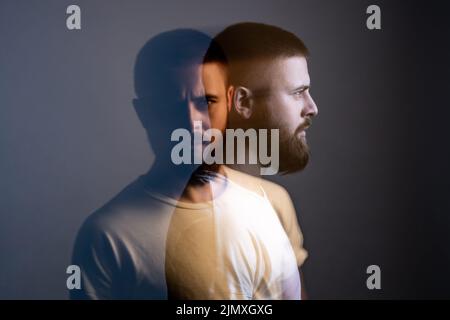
(230, 93)
(141, 111)
(243, 102)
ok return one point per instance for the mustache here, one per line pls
(306, 124)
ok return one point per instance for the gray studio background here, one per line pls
(70, 140)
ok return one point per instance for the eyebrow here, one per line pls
(205, 97)
(211, 96)
(303, 87)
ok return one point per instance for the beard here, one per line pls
(294, 152)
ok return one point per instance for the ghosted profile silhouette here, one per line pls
(189, 231)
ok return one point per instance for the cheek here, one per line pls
(284, 111)
(218, 116)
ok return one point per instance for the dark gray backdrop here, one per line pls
(375, 192)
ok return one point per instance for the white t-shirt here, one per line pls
(244, 244)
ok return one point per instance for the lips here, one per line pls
(301, 130)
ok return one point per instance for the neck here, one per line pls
(199, 187)
(183, 182)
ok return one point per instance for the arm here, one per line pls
(93, 253)
(285, 209)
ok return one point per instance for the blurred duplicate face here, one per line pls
(203, 95)
(202, 88)
(283, 101)
(214, 82)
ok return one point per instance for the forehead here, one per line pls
(279, 73)
(187, 76)
(214, 76)
(201, 78)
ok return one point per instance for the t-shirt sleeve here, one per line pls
(94, 253)
(286, 212)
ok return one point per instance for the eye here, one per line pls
(202, 103)
(299, 93)
(211, 101)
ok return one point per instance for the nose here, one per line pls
(310, 108)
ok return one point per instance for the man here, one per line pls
(268, 71)
(121, 248)
(188, 231)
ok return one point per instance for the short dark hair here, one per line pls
(251, 40)
(166, 51)
(215, 54)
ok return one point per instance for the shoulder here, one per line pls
(134, 215)
(113, 216)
